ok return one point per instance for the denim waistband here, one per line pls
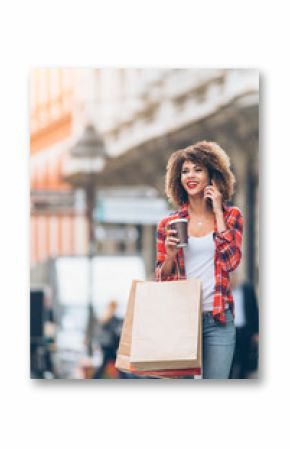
(209, 312)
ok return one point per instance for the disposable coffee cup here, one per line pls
(180, 225)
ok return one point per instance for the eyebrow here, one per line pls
(194, 165)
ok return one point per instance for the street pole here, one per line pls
(89, 158)
(90, 199)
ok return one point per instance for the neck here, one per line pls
(198, 206)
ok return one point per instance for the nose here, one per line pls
(192, 176)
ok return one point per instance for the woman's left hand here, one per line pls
(215, 195)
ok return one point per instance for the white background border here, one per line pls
(144, 413)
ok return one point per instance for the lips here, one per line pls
(192, 184)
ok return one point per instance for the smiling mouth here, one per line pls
(191, 185)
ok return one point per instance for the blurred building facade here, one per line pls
(56, 226)
(143, 115)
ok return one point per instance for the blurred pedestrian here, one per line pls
(108, 337)
(247, 329)
(43, 333)
(199, 180)
(49, 334)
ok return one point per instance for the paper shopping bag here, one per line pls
(168, 373)
(124, 351)
(166, 328)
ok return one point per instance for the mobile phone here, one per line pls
(210, 184)
(210, 180)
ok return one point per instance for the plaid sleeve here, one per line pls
(161, 252)
(229, 242)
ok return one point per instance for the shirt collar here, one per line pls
(183, 213)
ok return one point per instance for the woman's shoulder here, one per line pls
(181, 212)
(234, 217)
(232, 211)
(169, 217)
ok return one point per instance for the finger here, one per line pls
(209, 197)
(173, 245)
(172, 239)
(171, 231)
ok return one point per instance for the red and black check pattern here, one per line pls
(228, 253)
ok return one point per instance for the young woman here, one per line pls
(199, 180)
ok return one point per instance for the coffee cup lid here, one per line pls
(178, 219)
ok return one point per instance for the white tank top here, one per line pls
(199, 263)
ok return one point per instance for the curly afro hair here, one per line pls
(208, 154)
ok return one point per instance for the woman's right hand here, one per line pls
(171, 242)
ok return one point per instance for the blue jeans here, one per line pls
(218, 344)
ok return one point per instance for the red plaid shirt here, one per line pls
(228, 254)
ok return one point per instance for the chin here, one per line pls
(196, 193)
